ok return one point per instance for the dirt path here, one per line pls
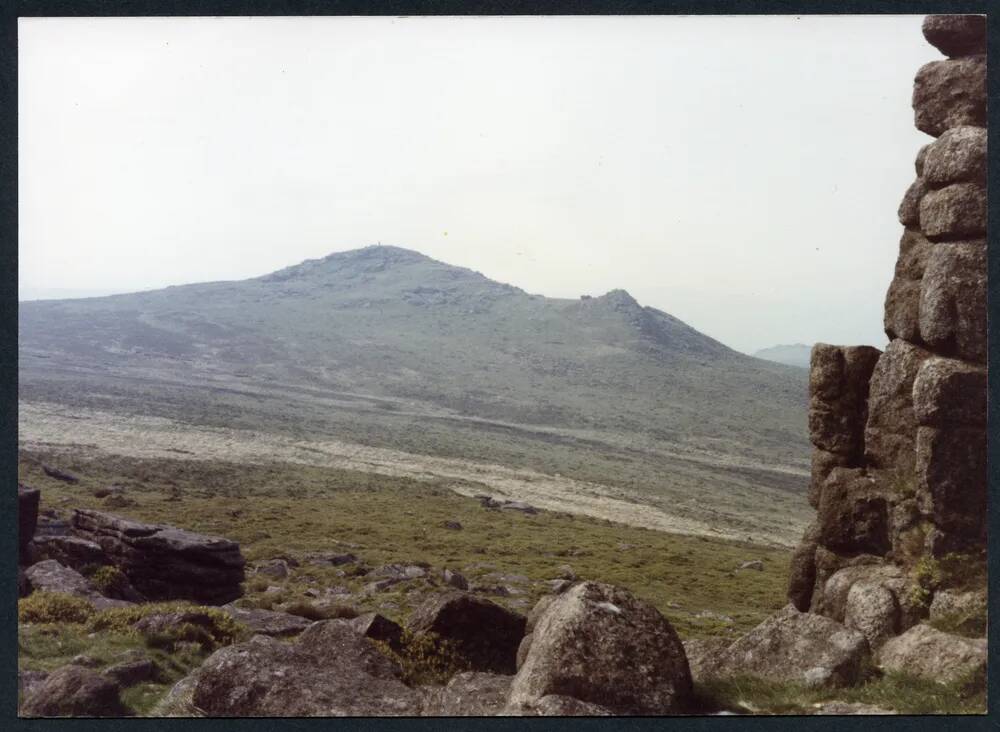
(48, 425)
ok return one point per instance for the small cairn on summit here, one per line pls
(899, 466)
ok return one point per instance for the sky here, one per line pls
(739, 172)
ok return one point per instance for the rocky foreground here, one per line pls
(587, 649)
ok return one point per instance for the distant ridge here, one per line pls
(796, 354)
(387, 347)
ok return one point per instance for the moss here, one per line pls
(53, 607)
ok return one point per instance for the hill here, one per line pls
(385, 347)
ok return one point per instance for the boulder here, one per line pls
(179, 701)
(953, 300)
(61, 475)
(23, 586)
(914, 248)
(70, 551)
(827, 564)
(908, 212)
(332, 559)
(163, 623)
(950, 94)
(958, 156)
(468, 694)
(75, 691)
(27, 516)
(802, 574)
(956, 35)
(853, 513)
(907, 530)
(930, 653)
(274, 568)
(268, 622)
(798, 647)
(838, 585)
(379, 628)
(166, 563)
(129, 673)
(838, 391)
(455, 579)
(600, 644)
(947, 391)
(954, 213)
(951, 479)
(50, 576)
(961, 611)
(823, 463)
(27, 681)
(890, 432)
(485, 634)
(704, 656)
(518, 506)
(871, 609)
(901, 318)
(331, 671)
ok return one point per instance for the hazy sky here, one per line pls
(741, 173)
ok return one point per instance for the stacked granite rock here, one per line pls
(166, 563)
(899, 467)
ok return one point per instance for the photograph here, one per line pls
(571, 365)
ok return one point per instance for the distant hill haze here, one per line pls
(796, 354)
(386, 347)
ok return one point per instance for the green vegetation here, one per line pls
(900, 692)
(384, 520)
(53, 607)
(216, 627)
(426, 658)
(109, 581)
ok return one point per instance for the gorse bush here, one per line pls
(217, 626)
(426, 658)
(109, 581)
(53, 607)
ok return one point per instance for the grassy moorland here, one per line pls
(293, 511)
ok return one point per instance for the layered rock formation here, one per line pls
(899, 466)
(166, 563)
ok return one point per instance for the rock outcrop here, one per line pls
(899, 466)
(166, 563)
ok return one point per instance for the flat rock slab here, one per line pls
(268, 622)
(164, 562)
